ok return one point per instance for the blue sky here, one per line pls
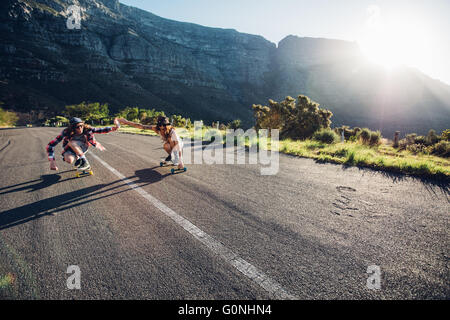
(425, 24)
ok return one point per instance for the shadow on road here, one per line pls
(59, 203)
(44, 182)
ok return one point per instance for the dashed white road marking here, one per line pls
(246, 268)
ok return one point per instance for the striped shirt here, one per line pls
(66, 138)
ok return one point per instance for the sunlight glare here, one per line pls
(394, 43)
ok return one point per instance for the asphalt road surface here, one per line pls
(312, 231)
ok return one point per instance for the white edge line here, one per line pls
(244, 267)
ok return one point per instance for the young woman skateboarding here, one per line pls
(172, 142)
(77, 138)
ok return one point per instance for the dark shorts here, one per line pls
(70, 152)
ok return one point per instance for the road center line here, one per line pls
(246, 268)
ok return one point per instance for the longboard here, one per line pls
(170, 163)
(81, 173)
(173, 170)
(166, 163)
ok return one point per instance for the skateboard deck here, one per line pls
(81, 173)
(164, 163)
(173, 170)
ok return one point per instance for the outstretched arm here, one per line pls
(51, 150)
(137, 125)
(107, 129)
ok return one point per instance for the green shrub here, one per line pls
(420, 140)
(410, 139)
(375, 138)
(416, 148)
(295, 119)
(8, 118)
(445, 135)
(326, 136)
(235, 124)
(364, 135)
(432, 137)
(349, 134)
(441, 149)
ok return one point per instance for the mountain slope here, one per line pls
(126, 56)
(129, 57)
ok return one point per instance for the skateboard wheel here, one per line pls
(161, 164)
(172, 170)
(91, 173)
(184, 169)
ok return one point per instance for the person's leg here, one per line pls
(80, 150)
(76, 148)
(168, 149)
(178, 159)
(69, 156)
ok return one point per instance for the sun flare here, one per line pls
(394, 43)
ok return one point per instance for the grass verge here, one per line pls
(381, 157)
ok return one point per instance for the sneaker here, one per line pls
(84, 165)
(169, 158)
(78, 162)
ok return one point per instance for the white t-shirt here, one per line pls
(174, 136)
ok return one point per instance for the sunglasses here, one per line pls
(79, 126)
(163, 125)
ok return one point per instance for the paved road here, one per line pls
(214, 232)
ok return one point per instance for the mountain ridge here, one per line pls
(127, 56)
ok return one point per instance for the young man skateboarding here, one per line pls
(77, 138)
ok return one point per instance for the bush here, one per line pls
(369, 137)
(432, 137)
(420, 140)
(445, 135)
(364, 135)
(8, 118)
(349, 134)
(416, 148)
(441, 149)
(235, 124)
(375, 138)
(295, 119)
(410, 138)
(326, 136)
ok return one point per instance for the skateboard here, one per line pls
(164, 163)
(173, 170)
(170, 163)
(86, 172)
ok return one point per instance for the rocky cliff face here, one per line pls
(130, 57)
(126, 56)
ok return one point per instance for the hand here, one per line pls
(100, 147)
(53, 165)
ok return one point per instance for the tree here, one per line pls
(295, 119)
(431, 137)
(235, 124)
(90, 112)
(8, 118)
